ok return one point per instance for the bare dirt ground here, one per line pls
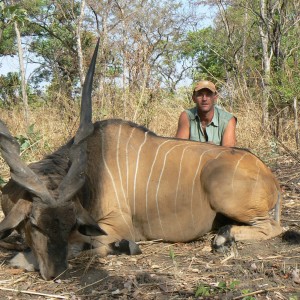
(252, 270)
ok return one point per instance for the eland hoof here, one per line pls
(223, 241)
(125, 247)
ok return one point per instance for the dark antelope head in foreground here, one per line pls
(46, 215)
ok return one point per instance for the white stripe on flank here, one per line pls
(227, 150)
(235, 169)
(118, 164)
(193, 186)
(177, 187)
(147, 186)
(127, 167)
(115, 189)
(254, 189)
(136, 170)
(158, 186)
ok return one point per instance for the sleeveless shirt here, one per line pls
(214, 130)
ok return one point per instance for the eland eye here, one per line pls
(34, 223)
(35, 226)
(33, 220)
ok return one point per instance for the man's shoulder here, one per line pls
(191, 112)
(223, 114)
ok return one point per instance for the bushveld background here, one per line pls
(50, 126)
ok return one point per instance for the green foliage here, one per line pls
(248, 298)
(29, 141)
(222, 287)
(15, 13)
(7, 43)
(8, 16)
(172, 253)
(285, 87)
(55, 43)
(245, 292)
(203, 48)
(10, 92)
(23, 141)
(51, 27)
(202, 290)
(10, 88)
(113, 71)
(2, 182)
(233, 284)
(285, 81)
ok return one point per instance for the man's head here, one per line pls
(205, 95)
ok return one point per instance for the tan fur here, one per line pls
(148, 187)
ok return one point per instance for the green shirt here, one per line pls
(214, 130)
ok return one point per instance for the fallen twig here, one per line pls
(86, 286)
(232, 255)
(258, 292)
(149, 242)
(33, 293)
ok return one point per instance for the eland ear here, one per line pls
(17, 214)
(86, 224)
(90, 229)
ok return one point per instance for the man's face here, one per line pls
(204, 100)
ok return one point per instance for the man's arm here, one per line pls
(183, 130)
(229, 139)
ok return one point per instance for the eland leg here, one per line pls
(261, 230)
(119, 239)
(256, 224)
(244, 190)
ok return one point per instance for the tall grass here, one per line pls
(53, 125)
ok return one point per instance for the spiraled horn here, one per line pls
(75, 178)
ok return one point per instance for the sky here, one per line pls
(11, 63)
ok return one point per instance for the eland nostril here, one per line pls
(53, 272)
(54, 275)
(46, 277)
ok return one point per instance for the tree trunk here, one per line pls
(296, 122)
(78, 41)
(124, 55)
(225, 21)
(23, 76)
(263, 30)
(103, 55)
(244, 42)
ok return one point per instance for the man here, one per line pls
(207, 122)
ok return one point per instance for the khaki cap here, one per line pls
(205, 84)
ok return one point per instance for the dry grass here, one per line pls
(54, 125)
